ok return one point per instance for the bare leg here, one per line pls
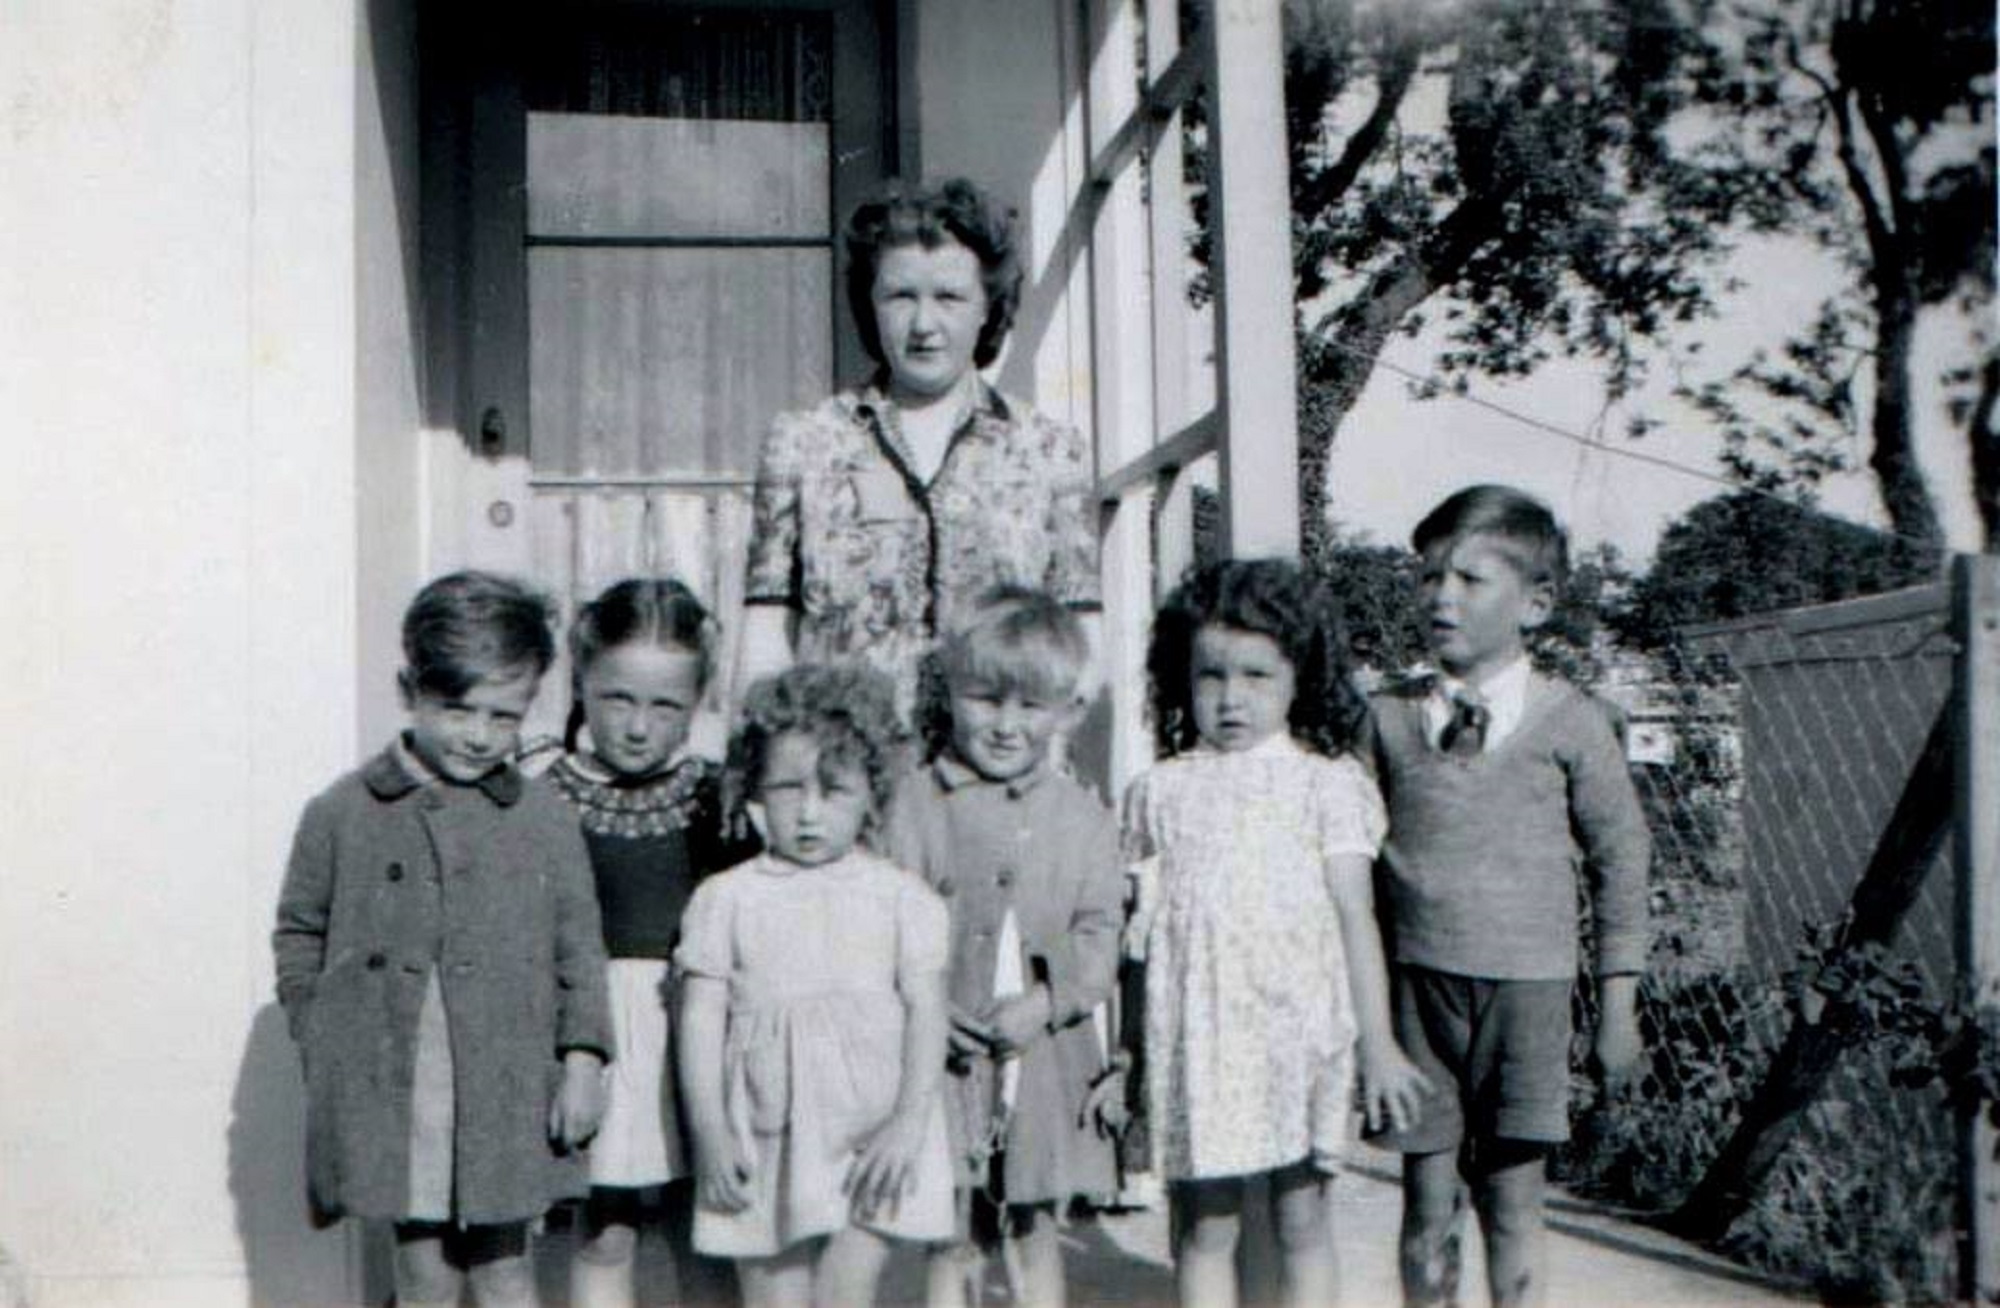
(948, 1273)
(784, 1280)
(1208, 1219)
(849, 1268)
(424, 1276)
(1302, 1219)
(1508, 1191)
(703, 1282)
(600, 1273)
(504, 1282)
(1429, 1255)
(1038, 1255)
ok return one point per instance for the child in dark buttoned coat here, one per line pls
(1028, 863)
(440, 963)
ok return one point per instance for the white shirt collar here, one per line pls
(1505, 694)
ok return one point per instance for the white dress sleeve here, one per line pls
(1350, 813)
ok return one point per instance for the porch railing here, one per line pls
(590, 530)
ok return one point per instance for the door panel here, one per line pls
(646, 224)
(638, 178)
(658, 362)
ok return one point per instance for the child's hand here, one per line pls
(1104, 1107)
(967, 1037)
(885, 1168)
(1392, 1088)
(1617, 1047)
(578, 1109)
(1018, 1021)
(723, 1174)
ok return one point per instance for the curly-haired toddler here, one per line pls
(812, 1029)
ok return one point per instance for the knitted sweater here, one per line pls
(1480, 867)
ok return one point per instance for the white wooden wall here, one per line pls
(1185, 398)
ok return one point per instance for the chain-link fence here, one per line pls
(1774, 754)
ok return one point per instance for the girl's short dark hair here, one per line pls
(849, 711)
(658, 610)
(468, 626)
(1270, 597)
(906, 214)
(1523, 526)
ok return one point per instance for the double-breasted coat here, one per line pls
(1045, 848)
(488, 884)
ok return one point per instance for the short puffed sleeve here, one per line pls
(923, 928)
(707, 947)
(1351, 818)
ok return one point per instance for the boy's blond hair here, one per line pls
(1018, 639)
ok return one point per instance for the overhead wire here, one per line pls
(1464, 395)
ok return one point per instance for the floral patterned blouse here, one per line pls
(876, 562)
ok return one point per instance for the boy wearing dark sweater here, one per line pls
(1502, 785)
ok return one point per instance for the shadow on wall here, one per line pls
(288, 1262)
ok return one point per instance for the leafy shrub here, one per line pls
(1861, 1203)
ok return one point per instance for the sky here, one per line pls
(1396, 456)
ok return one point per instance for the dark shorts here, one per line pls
(1496, 1054)
(470, 1246)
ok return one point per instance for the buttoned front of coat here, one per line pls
(489, 885)
(1047, 850)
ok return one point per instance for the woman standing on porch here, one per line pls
(883, 512)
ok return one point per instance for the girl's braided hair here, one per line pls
(660, 610)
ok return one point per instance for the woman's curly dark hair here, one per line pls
(1274, 598)
(848, 710)
(954, 210)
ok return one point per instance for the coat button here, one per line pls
(376, 962)
(1006, 878)
(395, 871)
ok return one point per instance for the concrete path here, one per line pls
(1596, 1260)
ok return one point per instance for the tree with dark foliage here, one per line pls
(1869, 125)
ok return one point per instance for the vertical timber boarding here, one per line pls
(1976, 591)
(1147, 430)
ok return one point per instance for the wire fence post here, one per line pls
(1976, 594)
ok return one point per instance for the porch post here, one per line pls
(1976, 603)
(1250, 208)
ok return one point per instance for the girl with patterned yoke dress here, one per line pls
(642, 654)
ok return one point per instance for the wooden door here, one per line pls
(650, 199)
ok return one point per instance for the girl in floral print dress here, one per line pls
(1265, 985)
(642, 653)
